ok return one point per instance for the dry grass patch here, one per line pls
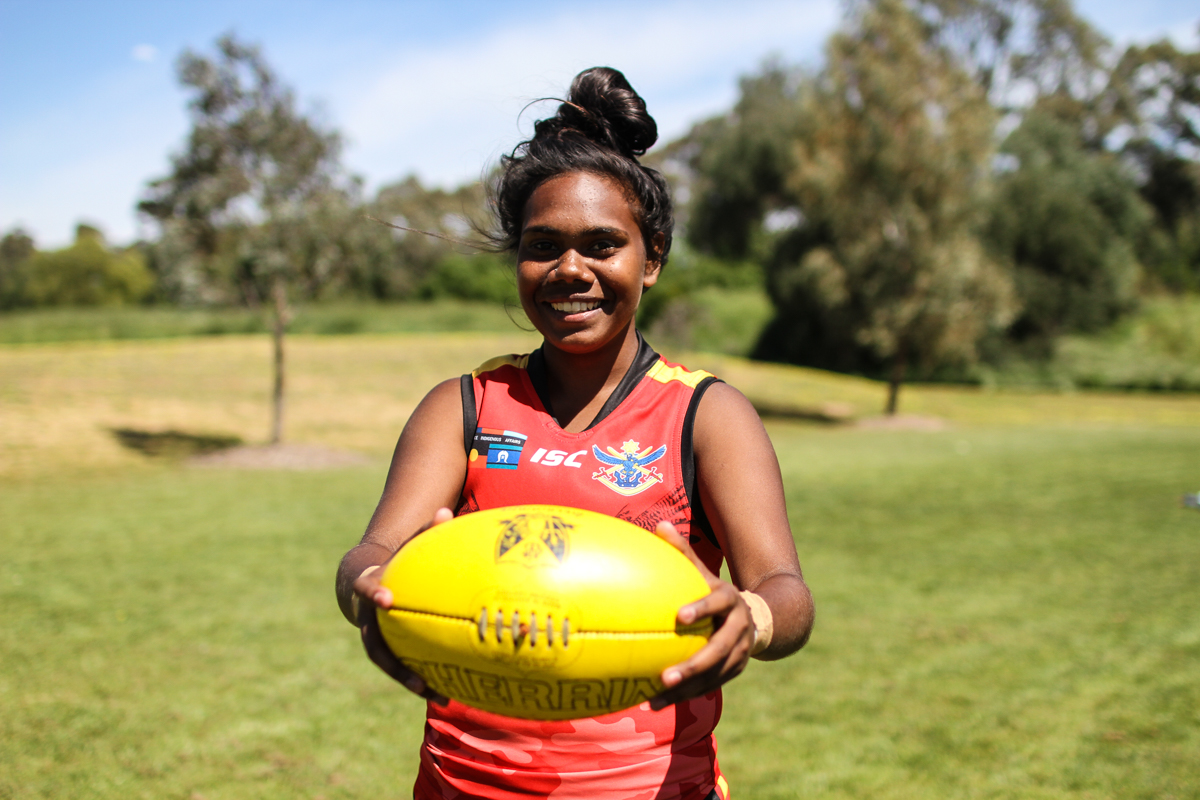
(813, 392)
(60, 403)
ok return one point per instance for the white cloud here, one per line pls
(144, 52)
(445, 112)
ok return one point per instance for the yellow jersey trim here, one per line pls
(664, 374)
(514, 360)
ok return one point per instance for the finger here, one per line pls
(725, 647)
(383, 657)
(717, 603)
(723, 658)
(700, 681)
(368, 586)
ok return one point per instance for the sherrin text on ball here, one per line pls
(541, 612)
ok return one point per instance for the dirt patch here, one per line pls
(904, 422)
(280, 456)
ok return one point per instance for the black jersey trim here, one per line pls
(643, 360)
(687, 458)
(470, 418)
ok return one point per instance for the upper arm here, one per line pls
(741, 488)
(427, 471)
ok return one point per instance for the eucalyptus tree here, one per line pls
(242, 196)
(866, 203)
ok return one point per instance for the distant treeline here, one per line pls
(341, 252)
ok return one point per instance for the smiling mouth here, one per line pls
(575, 306)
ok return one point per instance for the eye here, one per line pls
(541, 246)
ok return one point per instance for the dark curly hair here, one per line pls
(601, 128)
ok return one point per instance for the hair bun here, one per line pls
(605, 108)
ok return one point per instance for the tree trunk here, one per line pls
(279, 295)
(899, 366)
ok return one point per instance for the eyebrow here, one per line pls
(547, 229)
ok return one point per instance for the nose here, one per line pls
(572, 267)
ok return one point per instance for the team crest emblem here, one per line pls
(534, 540)
(627, 472)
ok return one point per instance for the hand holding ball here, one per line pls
(541, 612)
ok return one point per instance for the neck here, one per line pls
(580, 383)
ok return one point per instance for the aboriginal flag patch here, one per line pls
(496, 449)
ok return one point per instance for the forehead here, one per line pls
(580, 201)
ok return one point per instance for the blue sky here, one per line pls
(90, 111)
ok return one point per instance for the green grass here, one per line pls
(714, 320)
(999, 615)
(174, 634)
(1004, 609)
(1155, 349)
(132, 322)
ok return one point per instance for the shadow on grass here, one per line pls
(826, 413)
(172, 444)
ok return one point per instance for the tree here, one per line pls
(88, 273)
(742, 162)
(16, 248)
(1155, 91)
(1068, 220)
(1021, 51)
(255, 171)
(435, 259)
(873, 263)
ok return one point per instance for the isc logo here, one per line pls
(552, 458)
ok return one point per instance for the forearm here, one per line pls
(791, 611)
(354, 563)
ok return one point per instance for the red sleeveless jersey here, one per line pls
(634, 463)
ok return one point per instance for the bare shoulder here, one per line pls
(437, 419)
(725, 415)
(433, 435)
(443, 400)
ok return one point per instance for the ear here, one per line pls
(654, 260)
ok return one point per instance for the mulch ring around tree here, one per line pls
(279, 456)
(904, 422)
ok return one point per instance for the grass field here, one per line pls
(1006, 607)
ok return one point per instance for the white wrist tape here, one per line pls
(764, 623)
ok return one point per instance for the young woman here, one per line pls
(591, 229)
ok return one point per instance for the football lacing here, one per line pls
(519, 630)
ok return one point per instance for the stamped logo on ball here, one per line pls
(533, 540)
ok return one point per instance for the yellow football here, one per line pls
(541, 612)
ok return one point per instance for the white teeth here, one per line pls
(575, 306)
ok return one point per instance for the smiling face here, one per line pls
(581, 262)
